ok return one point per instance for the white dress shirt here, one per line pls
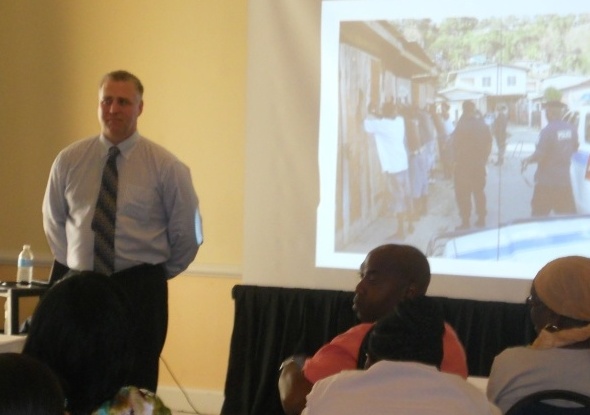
(390, 137)
(158, 218)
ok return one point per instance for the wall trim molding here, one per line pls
(214, 270)
(206, 402)
(194, 270)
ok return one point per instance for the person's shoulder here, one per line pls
(81, 144)
(355, 333)
(359, 329)
(402, 367)
(550, 130)
(156, 149)
(160, 156)
(480, 122)
(151, 144)
(75, 150)
(513, 353)
(399, 121)
(340, 378)
(564, 125)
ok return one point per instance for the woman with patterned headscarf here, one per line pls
(559, 358)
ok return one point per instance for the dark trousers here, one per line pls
(558, 199)
(146, 288)
(501, 143)
(470, 184)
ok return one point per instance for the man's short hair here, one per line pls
(554, 104)
(412, 333)
(123, 76)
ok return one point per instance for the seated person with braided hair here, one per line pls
(81, 331)
(402, 372)
(389, 274)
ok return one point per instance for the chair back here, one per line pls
(536, 404)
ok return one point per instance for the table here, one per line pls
(11, 344)
(12, 293)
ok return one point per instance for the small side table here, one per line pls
(12, 293)
(11, 344)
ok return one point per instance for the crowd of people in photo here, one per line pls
(418, 146)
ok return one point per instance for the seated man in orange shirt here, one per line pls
(389, 274)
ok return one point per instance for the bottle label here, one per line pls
(25, 262)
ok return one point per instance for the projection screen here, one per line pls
(318, 197)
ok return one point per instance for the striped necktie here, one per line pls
(103, 223)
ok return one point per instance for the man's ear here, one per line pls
(412, 291)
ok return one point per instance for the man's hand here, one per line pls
(293, 386)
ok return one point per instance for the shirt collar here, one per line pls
(125, 146)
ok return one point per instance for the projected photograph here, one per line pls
(467, 136)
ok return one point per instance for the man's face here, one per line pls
(553, 113)
(380, 289)
(119, 106)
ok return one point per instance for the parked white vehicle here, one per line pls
(525, 240)
(580, 167)
(543, 237)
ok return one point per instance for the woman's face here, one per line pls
(541, 315)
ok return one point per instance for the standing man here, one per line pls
(500, 126)
(558, 141)
(472, 142)
(144, 228)
(444, 129)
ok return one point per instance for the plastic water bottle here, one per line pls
(24, 273)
